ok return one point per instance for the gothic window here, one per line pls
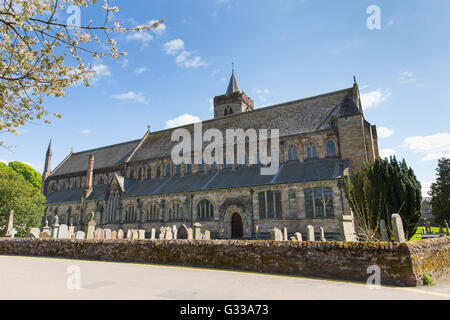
(113, 204)
(331, 149)
(149, 173)
(130, 213)
(319, 202)
(158, 172)
(131, 174)
(228, 111)
(189, 168)
(269, 204)
(205, 210)
(52, 188)
(175, 211)
(152, 213)
(140, 174)
(311, 151)
(178, 169)
(168, 170)
(292, 153)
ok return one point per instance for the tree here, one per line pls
(34, 47)
(378, 190)
(27, 172)
(440, 192)
(21, 196)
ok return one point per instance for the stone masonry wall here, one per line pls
(401, 264)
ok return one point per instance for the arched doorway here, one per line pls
(182, 233)
(237, 230)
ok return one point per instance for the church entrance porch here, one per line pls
(237, 230)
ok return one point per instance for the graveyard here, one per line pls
(401, 263)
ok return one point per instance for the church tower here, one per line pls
(234, 101)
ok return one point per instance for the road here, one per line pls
(49, 278)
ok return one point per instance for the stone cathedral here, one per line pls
(134, 185)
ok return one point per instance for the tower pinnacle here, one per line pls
(233, 85)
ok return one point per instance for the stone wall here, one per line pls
(401, 264)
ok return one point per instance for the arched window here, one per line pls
(175, 211)
(158, 172)
(131, 174)
(205, 210)
(130, 213)
(113, 204)
(228, 111)
(168, 170)
(292, 153)
(140, 174)
(152, 213)
(331, 149)
(178, 169)
(189, 168)
(311, 151)
(149, 173)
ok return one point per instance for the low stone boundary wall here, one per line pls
(401, 264)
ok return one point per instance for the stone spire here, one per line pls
(47, 166)
(233, 85)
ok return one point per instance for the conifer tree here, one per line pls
(440, 192)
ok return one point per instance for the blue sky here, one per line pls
(282, 50)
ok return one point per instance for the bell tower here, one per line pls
(234, 101)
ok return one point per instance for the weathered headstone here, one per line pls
(71, 232)
(13, 232)
(99, 234)
(285, 234)
(34, 233)
(397, 228)
(46, 228)
(120, 234)
(141, 234)
(114, 235)
(91, 229)
(293, 238)
(9, 224)
(168, 234)
(55, 230)
(190, 234)
(44, 235)
(347, 228)
(322, 235)
(174, 232)
(63, 232)
(162, 233)
(310, 233)
(446, 227)
(383, 231)
(129, 234)
(153, 234)
(298, 236)
(207, 235)
(276, 235)
(107, 234)
(135, 235)
(198, 231)
(80, 235)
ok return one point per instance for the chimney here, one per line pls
(89, 176)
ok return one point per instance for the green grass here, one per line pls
(418, 235)
(428, 280)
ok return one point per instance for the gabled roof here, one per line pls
(104, 157)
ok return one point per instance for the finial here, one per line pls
(232, 66)
(148, 127)
(354, 79)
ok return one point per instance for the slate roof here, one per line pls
(291, 118)
(104, 157)
(233, 85)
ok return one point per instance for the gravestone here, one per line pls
(80, 235)
(91, 229)
(135, 235)
(114, 235)
(162, 233)
(153, 234)
(322, 235)
(141, 234)
(310, 233)
(9, 224)
(190, 234)
(446, 227)
(44, 235)
(285, 234)
(198, 231)
(174, 232)
(298, 236)
(397, 228)
(63, 232)
(71, 232)
(34, 233)
(129, 234)
(276, 235)
(383, 231)
(347, 229)
(120, 234)
(13, 232)
(207, 235)
(168, 234)
(293, 238)
(46, 228)
(55, 230)
(107, 234)
(99, 234)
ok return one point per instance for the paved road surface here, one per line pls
(46, 278)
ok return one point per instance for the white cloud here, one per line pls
(407, 77)
(262, 94)
(386, 153)
(86, 131)
(174, 46)
(371, 99)
(384, 133)
(141, 70)
(161, 28)
(143, 37)
(131, 96)
(101, 70)
(182, 120)
(211, 105)
(426, 186)
(124, 63)
(431, 147)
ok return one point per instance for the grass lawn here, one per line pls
(418, 234)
